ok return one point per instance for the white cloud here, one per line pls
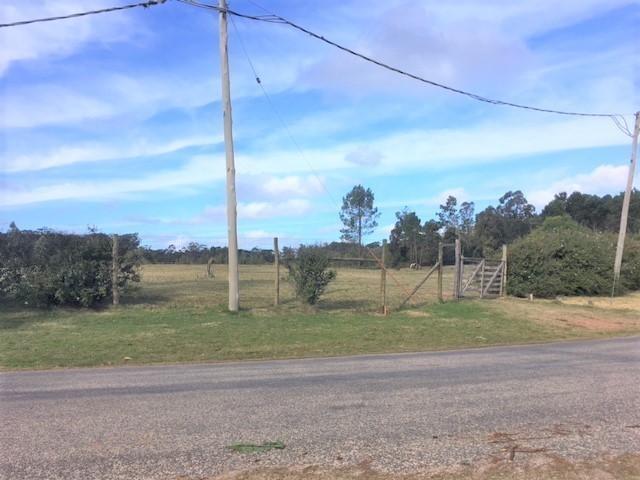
(260, 234)
(459, 193)
(603, 180)
(385, 230)
(196, 172)
(460, 52)
(440, 149)
(293, 186)
(494, 141)
(57, 39)
(93, 95)
(262, 210)
(96, 152)
(364, 156)
(248, 211)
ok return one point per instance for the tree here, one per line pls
(449, 216)
(490, 229)
(589, 210)
(597, 213)
(458, 223)
(556, 207)
(466, 218)
(512, 219)
(406, 238)
(518, 214)
(358, 215)
(430, 241)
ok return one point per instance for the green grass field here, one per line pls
(352, 290)
(181, 316)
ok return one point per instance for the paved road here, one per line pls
(397, 412)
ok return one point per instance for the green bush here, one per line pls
(45, 268)
(630, 268)
(308, 272)
(564, 258)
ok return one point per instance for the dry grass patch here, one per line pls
(629, 302)
(542, 467)
(573, 313)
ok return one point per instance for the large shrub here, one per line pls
(45, 267)
(308, 272)
(564, 258)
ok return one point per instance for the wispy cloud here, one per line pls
(605, 179)
(262, 210)
(55, 40)
(196, 172)
(96, 152)
(123, 110)
(94, 96)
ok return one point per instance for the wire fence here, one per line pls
(193, 273)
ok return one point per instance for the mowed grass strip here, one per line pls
(167, 334)
(180, 315)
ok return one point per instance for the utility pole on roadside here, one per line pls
(232, 216)
(625, 206)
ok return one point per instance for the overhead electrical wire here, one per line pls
(315, 174)
(284, 125)
(273, 18)
(149, 3)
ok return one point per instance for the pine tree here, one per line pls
(358, 215)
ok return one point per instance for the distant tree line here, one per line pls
(483, 234)
(198, 253)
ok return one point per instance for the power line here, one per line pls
(262, 18)
(149, 3)
(273, 18)
(284, 125)
(259, 82)
(619, 123)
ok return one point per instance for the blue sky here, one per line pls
(115, 120)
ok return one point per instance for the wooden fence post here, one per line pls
(383, 278)
(503, 285)
(458, 280)
(276, 251)
(115, 269)
(440, 270)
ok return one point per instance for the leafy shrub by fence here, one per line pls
(46, 267)
(309, 274)
(564, 258)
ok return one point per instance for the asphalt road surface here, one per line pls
(398, 413)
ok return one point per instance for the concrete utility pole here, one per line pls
(625, 205)
(231, 169)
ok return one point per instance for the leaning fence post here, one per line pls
(115, 269)
(276, 251)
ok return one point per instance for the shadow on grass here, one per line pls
(15, 314)
(347, 305)
(140, 297)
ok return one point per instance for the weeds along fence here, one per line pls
(194, 274)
